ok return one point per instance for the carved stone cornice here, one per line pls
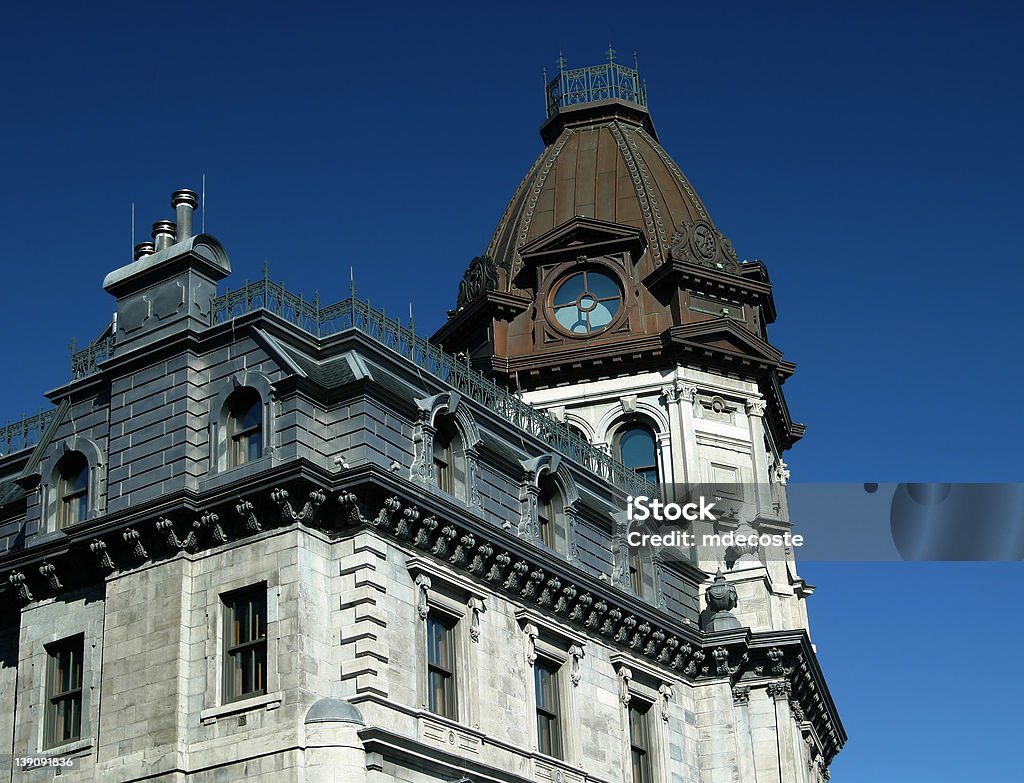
(561, 595)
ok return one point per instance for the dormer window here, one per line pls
(450, 466)
(72, 489)
(586, 302)
(549, 515)
(245, 426)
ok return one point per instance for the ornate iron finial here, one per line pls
(561, 61)
(352, 282)
(611, 53)
(636, 61)
(266, 268)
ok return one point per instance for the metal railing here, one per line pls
(15, 436)
(595, 83)
(85, 361)
(353, 313)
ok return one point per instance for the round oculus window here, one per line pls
(586, 302)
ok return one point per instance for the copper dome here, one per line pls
(602, 161)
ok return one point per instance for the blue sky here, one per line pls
(869, 155)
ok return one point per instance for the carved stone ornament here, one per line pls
(309, 510)
(664, 699)
(422, 595)
(210, 522)
(247, 512)
(476, 608)
(17, 580)
(699, 242)
(49, 572)
(99, 549)
(133, 540)
(531, 633)
(781, 472)
(721, 596)
(741, 695)
(575, 664)
(625, 675)
(755, 407)
(480, 277)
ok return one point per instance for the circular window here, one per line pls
(586, 302)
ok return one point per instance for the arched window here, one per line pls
(637, 450)
(549, 514)
(449, 458)
(72, 489)
(245, 426)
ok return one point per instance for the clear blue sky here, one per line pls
(870, 156)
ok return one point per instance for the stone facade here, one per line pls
(372, 491)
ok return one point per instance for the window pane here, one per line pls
(639, 744)
(569, 291)
(250, 417)
(254, 446)
(602, 314)
(63, 721)
(637, 447)
(568, 316)
(547, 692)
(546, 686)
(245, 426)
(441, 687)
(245, 641)
(602, 286)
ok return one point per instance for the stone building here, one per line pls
(258, 538)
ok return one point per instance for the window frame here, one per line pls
(448, 670)
(646, 688)
(559, 283)
(453, 599)
(644, 750)
(75, 646)
(553, 713)
(73, 502)
(453, 477)
(550, 645)
(633, 425)
(230, 667)
(239, 438)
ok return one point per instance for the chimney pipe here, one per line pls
(143, 249)
(163, 234)
(184, 203)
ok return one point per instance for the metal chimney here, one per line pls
(163, 234)
(184, 202)
(144, 249)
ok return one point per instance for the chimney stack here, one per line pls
(144, 249)
(184, 202)
(163, 234)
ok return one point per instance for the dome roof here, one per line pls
(602, 161)
(334, 711)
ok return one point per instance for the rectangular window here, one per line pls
(636, 572)
(549, 738)
(441, 693)
(443, 468)
(545, 520)
(245, 643)
(64, 691)
(639, 742)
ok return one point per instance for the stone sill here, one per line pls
(267, 701)
(80, 747)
